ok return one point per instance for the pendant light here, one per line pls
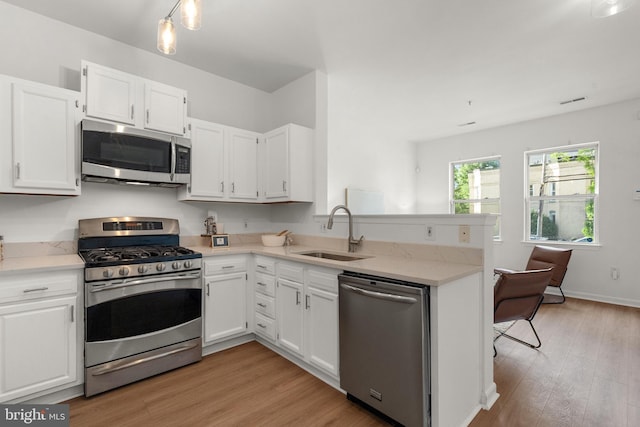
(191, 18)
(191, 13)
(604, 8)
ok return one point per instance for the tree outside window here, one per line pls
(476, 188)
(562, 205)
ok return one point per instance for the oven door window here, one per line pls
(124, 151)
(142, 314)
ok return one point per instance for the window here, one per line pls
(564, 201)
(476, 188)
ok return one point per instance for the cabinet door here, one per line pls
(289, 315)
(276, 164)
(110, 94)
(207, 160)
(243, 164)
(165, 108)
(37, 346)
(225, 305)
(322, 329)
(44, 139)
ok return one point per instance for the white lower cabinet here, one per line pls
(307, 313)
(38, 334)
(225, 297)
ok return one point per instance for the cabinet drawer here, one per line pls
(28, 286)
(265, 305)
(266, 284)
(225, 265)
(323, 279)
(265, 326)
(290, 271)
(265, 265)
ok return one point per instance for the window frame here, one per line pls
(453, 200)
(529, 199)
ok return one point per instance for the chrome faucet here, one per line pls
(353, 244)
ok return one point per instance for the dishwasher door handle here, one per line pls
(380, 295)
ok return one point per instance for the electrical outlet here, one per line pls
(615, 273)
(430, 232)
(246, 223)
(464, 233)
(323, 228)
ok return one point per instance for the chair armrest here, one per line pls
(499, 270)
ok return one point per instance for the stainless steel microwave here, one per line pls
(127, 155)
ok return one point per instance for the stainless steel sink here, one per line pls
(332, 256)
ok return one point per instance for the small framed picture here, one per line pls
(219, 240)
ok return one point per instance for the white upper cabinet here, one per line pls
(39, 124)
(124, 98)
(287, 164)
(243, 164)
(224, 163)
(110, 94)
(165, 108)
(208, 164)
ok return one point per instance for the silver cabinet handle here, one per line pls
(262, 326)
(233, 187)
(222, 186)
(261, 266)
(132, 111)
(307, 304)
(297, 297)
(147, 116)
(44, 288)
(262, 305)
(380, 295)
(73, 310)
(284, 186)
(261, 284)
(226, 267)
(208, 290)
(17, 170)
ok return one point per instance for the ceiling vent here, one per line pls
(571, 101)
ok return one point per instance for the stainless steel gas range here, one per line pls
(143, 300)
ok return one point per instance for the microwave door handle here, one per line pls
(173, 160)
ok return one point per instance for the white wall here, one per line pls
(364, 151)
(617, 127)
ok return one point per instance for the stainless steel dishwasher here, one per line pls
(384, 346)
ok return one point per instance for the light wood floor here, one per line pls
(587, 373)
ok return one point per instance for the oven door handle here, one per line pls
(125, 365)
(123, 283)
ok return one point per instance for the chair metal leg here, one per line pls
(554, 299)
(503, 334)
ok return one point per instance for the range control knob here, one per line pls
(124, 271)
(107, 273)
(143, 269)
(188, 264)
(175, 265)
(160, 267)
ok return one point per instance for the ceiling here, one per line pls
(428, 65)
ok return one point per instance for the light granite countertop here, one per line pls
(40, 263)
(401, 265)
(422, 271)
